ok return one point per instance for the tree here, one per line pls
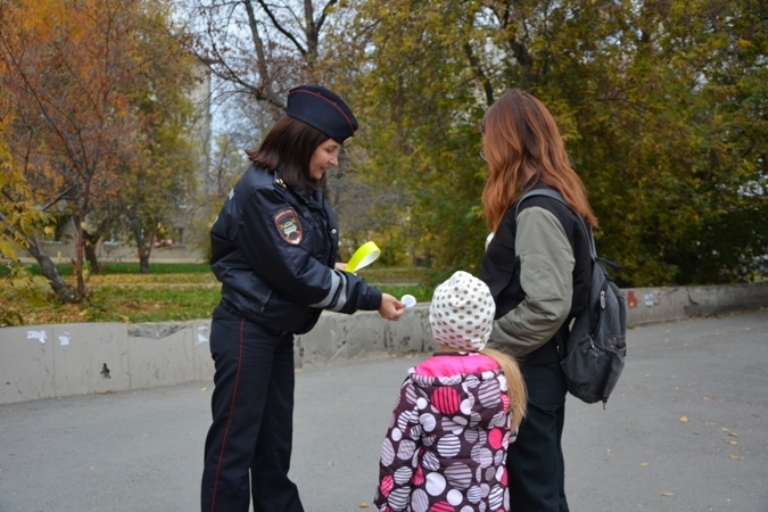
(257, 51)
(261, 49)
(421, 111)
(662, 106)
(158, 176)
(18, 215)
(63, 67)
(75, 74)
(18, 220)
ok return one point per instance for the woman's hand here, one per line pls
(340, 266)
(391, 308)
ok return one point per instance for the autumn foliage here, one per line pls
(76, 78)
(662, 105)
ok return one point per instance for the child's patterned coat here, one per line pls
(446, 447)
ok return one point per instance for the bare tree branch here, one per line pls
(279, 26)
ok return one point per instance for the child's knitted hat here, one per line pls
(461, 313)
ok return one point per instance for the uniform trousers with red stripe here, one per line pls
(248, 447)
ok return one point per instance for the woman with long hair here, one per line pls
(537, 268)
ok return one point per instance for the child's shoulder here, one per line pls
(456, 363)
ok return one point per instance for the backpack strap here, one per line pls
(554, 194)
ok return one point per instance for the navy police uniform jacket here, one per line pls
(274, 249)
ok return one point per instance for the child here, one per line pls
(446, 446)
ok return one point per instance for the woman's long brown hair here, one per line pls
(518, 400)
(523, 146)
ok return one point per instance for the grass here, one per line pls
(67, 269)
(170, 292)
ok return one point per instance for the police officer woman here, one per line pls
(274, 248)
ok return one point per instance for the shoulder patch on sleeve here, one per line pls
(288, 225)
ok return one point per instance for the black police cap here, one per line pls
(322, 109)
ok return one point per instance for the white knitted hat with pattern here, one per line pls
(461, 313)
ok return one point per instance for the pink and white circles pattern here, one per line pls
(445, 450)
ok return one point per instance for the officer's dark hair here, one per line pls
(290, 145)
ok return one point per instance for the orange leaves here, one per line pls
(66, 70)
(73, 76)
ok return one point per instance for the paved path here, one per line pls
(142, 451)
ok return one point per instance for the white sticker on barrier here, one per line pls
(36, 335)
(202, 335)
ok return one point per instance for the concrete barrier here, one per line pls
(69, 359)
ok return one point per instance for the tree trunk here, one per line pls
(144, 242)
(144, 262)
(64, 292)
(78, 220)
(90, 243)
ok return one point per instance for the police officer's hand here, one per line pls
(391, 308)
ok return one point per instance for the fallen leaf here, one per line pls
(667, 493)
(204, 390)
(363, 505)
(733, 434)
(706, 399)
(683, 419)
(733, 443)
(643, 464)
(736, 457)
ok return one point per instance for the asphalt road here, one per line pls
(686, 430)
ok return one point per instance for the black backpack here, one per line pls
(596, 345)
